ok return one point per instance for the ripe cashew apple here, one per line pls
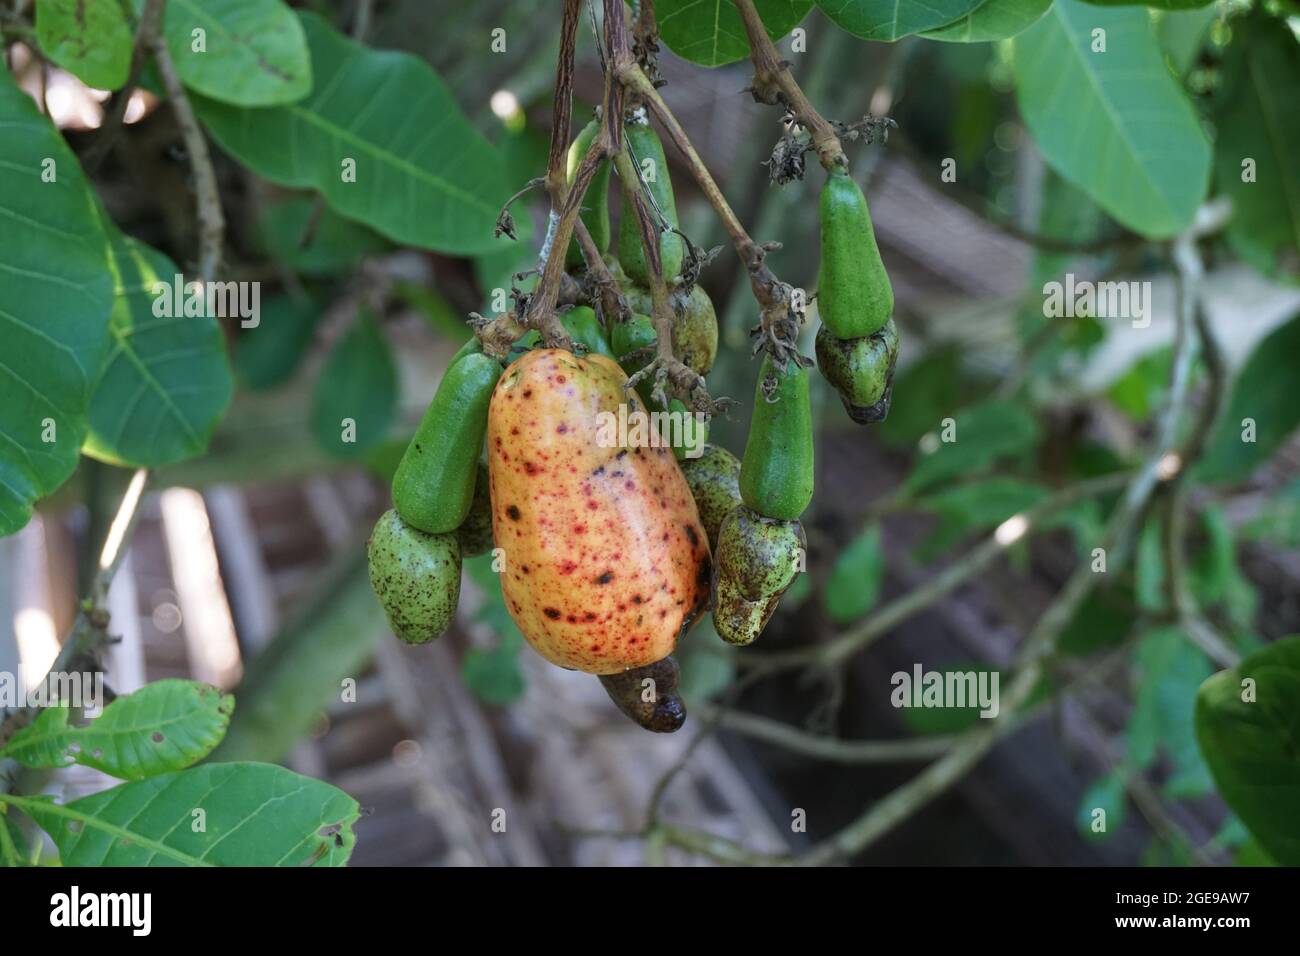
(606, 561)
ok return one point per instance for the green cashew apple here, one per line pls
(854, 296)
(434, 482)
(648, 154)
(416, 577)
(757, 559)
(860, 370)
(776, 473)
(695, 334)
(595, 202)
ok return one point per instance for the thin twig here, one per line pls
(212, 222)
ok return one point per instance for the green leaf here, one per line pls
(1252, 745)
(424, 175)
(251, 52)
(165, 726)
(1114, 123)
(1157, 4)
(980, 435)
(1107, 794)
(165, 382)
(268, 354)
(1255, 116)
(252, 814)
(1264, 392)
(1140, 390)
(1215, 577)
(933, 386)
(1103, 621)
(711, 33)
(854, 583)
(1168, 670)
(966, 509)
(1278, 521)
(337, 244)
(356, 394)
(1149, 570)
(1252, 854)
(13, 845)
(1182, 33)
(993, 20)
(891, 19)
(88, 38)
(56, 291)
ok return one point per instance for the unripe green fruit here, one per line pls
(583, 327)
(695, 331)
(714, 479)
(776, 474)
(595, 202)
(475, 532)
(861, 370)
(644, 145)
(757, 559)
(632, 336)
(854, 296)
(416, 577)
(434, 483)
(688, 437)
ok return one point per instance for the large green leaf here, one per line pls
(165, 382)
(968, 508)
(423, 175)
(356, 395)
(56, 291)
(980, 435)
(88, 38)
(337, 244)
(994, 20)
(1255, 116)
(1169, 668)
(1252, 745)
(854, 582)
(711, 33)
(1264, 391)
(225, 814)
(1114, 123)
(165, 726)
(252, 52)
(891, 19)
(269, 354)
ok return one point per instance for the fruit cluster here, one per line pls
(612, 549)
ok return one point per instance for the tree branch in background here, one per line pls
(82, 648)
(774, 84)
(212, 222)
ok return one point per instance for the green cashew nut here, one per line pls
(714, 480)
(776, 474)
(434, 483)
(695, 333)
(854, 296)
(861, 370)
(416, 577)
(644, 145)
(595, 202)
(757, 559)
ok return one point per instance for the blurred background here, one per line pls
(247, 569)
